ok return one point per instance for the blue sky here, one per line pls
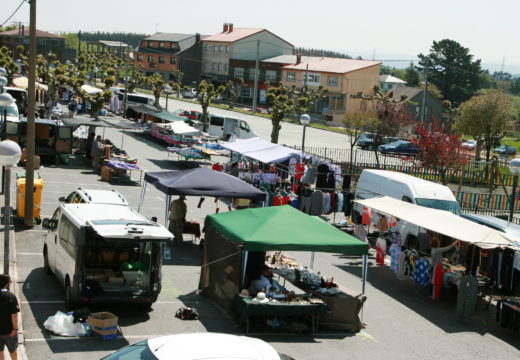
(398, 29)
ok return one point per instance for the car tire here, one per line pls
(46, 266)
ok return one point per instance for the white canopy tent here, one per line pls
(262, 150)
(439, 221)
(181, 128)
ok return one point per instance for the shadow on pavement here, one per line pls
(171, 164)
(148, 140)
(441, 313)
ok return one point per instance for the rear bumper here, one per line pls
(119, 299)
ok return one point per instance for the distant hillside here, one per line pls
(128, 38)
(320, 52)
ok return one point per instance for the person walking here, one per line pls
(8, 318)
(177, 218)
(97, 152)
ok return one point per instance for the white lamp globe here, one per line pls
(10, 153)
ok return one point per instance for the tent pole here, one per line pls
(141, 196)
(167, 209)
(244, 267)
(364, 273)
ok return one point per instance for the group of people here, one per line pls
(75, 103)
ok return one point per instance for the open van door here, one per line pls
(216, 126)
(244, 131)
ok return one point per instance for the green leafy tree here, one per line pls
(306, 98)
(205, 93)
(452, 69)
(282, 104)
(234, 89)
(6, 61)
(486, 118)
(411, 75)
(157, 83)
(357, 123)
(514, 88)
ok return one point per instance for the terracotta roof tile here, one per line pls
(333, 65)
(39, 33)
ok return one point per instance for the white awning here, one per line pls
(261, 150)
(180, 128)
(439, 221)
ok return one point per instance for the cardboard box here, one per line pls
(116, 280)
(106, 174)
(103, 322)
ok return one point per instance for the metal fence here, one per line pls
(481, 211)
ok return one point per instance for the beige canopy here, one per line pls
(439, 221)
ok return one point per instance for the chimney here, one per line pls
(230, 27)
(298, 59)
(225, 27)
(197, 38)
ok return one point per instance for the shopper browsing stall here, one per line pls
(264, 283)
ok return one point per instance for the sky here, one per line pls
(390, 30)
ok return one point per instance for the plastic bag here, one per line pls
(63, 325)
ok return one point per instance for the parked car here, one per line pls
(188, 346)
(366, 141)
(91, 196)
(190, 114)
(189, 94)
(469, 145)
(510, 229)
(399, 147)
(505, 150)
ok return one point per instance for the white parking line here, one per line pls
(34, 254)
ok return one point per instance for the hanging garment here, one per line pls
(330, 182)
(360, 233)
(299, 170)
(292, 166)
(346, 182)
(437, 281)
(367, 214)
(420, 272)
(392, 222)
(333, 203)
(401, 263)
(395, 252)
(309, 177)
(321, 177)
(326, 203)
(516, 260)
(382, 224)
(316, 203)
(339, 205)
(466, 296)
(380, 251)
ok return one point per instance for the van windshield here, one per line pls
(446, 205)
(11, 110)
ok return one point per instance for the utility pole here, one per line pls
(257, 73)
(423, 106)
(29, 168)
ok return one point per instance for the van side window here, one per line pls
(55, 219)
(68, 236)
(217, 121)
(244, 126)
(407, 199)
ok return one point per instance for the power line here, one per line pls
(9, 18)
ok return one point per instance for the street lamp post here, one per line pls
(168, 90)
(5, 100)
(305, 119)
(3, 80)
(10, 154)
(514, 166)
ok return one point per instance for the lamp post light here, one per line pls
(305, 120)
(168, 90)
(5, 100)
(514, 166)
(10, 154)
(3, 82)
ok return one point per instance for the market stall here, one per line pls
(468, 265)
(262, 150)
(233, 242)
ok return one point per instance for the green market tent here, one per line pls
(284, 228)
(168, 116)
(231, 236)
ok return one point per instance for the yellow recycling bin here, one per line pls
(20, 197)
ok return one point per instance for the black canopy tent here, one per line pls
(200, 181)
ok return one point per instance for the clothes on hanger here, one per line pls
(380, 251)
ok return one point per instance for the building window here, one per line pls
(239, 72)
(215, 48)
(311, 79)
(215, 66)
(206, 66)
(252, 73)
(161, 59)
(206, 48)
(332, 81)
(140, 58)
(173, 60)
(149, 43)
(247, 92)
(221, 48)
(150, 58)
(161, 44)
(225, 68)
(219, 67)
(270, 75)
(291, 76)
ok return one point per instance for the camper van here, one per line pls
(20, 95)
(223, 127)
(373, 183)
(106, 253)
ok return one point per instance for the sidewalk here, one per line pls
(15, 286)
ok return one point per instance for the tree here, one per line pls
(451, 68)
(6, 61)
(514, 88)
(391, 113)
(357, 123)
(234, 90)
(205, 93)
(411, 75)
(279, 97)
(486, 118)
(306, 98)
(157, 83)
(439, 149)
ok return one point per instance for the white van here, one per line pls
(104, 253)
(93, 196)
(12, 112)
(373, 183)
(223, 127)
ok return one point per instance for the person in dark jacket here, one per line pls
(8, 318)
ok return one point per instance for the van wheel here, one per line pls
(69, 303)
(46, 266)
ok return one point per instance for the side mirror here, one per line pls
(46, 223)
(61, 199)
